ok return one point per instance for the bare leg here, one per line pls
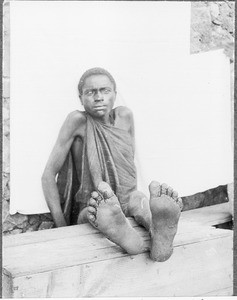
(104, 213)
(139, 208)
(159, 216)
(165, 210)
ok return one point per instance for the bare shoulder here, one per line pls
(124, 119)
(76, 117)
(123, 112)
(75, 123)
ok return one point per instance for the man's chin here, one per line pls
(98, 113)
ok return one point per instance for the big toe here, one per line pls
(105, 190)
(155, 189)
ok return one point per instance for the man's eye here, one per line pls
(89, 93)
(106, 91)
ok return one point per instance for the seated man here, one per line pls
(100, 141)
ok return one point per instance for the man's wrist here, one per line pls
(59, 220)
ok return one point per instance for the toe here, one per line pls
(170, 191)
(105, 190)
(180, 203)
(92, 220)
(164, 188)
(91, 210)
(175, 195)
(155, 189)
(91, 215)
(97, 197)
(94, 195)
(93, 202)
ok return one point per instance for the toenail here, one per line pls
(92, 217)
(108, 194)
(175, 195)
(91, 209)
(154, 184)
(180, 203)
(99, 200)
(92, 203)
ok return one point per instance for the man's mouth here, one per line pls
(99, 107)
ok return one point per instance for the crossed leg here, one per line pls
(104, 212)
(159, 216)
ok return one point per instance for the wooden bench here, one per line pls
(78, 261)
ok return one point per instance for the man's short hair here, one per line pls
(94, 71)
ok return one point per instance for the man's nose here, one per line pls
(98, 96)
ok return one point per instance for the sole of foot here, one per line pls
(104, 213)
(165, 210)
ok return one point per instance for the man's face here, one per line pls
(98, 95)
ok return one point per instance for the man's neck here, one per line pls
(107, 119)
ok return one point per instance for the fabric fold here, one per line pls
(107, 156)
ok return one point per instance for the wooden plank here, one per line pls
(211, 215)
(40, 257)
(171, 278)
(48, 235)
(7, 284)
(194, 269)
(52, 234)
(56, 261)
(228, 291)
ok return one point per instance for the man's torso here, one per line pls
(120, 118)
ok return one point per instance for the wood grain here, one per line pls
(45, 256)
(78, 261)
(211, 215)
(195, 269)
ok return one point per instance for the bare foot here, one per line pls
(139, 208)
(165, 210)
(104, 213)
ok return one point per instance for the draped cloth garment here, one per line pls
(107, 156)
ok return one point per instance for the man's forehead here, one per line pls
(97, 80)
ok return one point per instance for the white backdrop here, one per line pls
(181, 103)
